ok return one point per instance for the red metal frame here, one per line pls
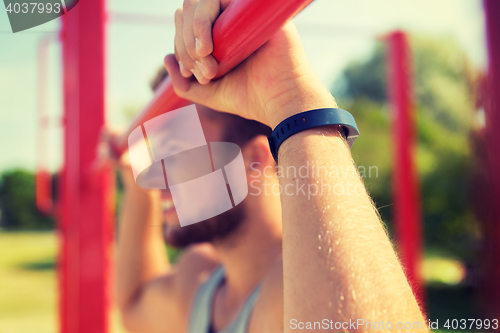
(406, 191)
(490, 162)
(86, 213)
(87, 195)
(240, 30)
(43, 178)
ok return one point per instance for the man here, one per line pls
(280, 260)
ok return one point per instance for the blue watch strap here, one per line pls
(310, 119)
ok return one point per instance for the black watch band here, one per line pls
(310, 119)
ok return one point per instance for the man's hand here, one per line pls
(274, 83)
(106, 156)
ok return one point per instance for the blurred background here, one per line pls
(344, 41)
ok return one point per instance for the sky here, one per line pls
(333, 32)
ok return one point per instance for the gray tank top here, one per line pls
(201, 310)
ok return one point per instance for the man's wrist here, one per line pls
(302, 140)
(299, 98)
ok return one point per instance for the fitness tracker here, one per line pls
(310, 119)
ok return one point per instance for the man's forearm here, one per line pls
(338, 261)
(141, 250)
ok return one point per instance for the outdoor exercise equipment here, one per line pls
(406, 192)
(86, 194)
(243, 27)
(86, 215)
(489, 163)
(43, 177)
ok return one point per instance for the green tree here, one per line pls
(443, 84)
(17, 202)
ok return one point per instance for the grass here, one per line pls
(28, 285)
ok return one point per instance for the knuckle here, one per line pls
(179, 47)
(190, 46)
(198, 23)
(178, 15)
(187, 4)
(186, 59)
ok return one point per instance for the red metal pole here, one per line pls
(406, 192)
(239, 31)
(43, 178)
(491, 161)
(87, 194)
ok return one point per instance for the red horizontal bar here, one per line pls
(239, 31)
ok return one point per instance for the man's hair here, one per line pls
(237, 129)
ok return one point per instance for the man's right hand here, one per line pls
(272, 84)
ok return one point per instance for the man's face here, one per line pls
(210, 230)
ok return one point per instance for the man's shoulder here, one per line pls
(167, 299)
(198, 257)
(193, 268)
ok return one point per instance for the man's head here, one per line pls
(250, 136)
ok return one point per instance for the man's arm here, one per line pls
(152, 295)
(141, 252)
(339, 263)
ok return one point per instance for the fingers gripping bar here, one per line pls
(239, 31)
